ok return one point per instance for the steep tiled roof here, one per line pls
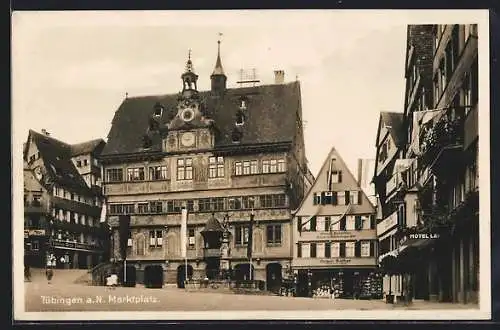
(394, 123)
(56, 156)
(271, 117)
(213, 225)
(93, 146)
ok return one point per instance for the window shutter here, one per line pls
(347, 197)
(299, 224)
(360, 197)
(357, 249)
(372, 221)
(299, 250)
(334, 198)
(313, 223)
(342, 223)
(322, 201)
(342, 249)
(315, 199)
(372, 249)
(340, 176)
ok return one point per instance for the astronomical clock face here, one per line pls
(187, 139)
(187, 114)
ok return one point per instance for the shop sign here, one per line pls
(337, 234)
(388, 223)
(419, 236)
(34, 232)
(335, 261)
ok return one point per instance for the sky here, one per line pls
(72, 70)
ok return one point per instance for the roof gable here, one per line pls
(393, 121)
(348, 182)
(56, 156)
(271, 117)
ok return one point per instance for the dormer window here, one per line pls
(236, 136)
(158, 110)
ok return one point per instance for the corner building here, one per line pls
(335, 242)
(223, 154)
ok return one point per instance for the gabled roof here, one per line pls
(271, 117)
(393, 121)
(89, 147)
(320, 184)
(56, 156)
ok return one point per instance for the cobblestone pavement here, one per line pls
(58, 297)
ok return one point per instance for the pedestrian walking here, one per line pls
(332, 294)
(27, 273)
(49, 273)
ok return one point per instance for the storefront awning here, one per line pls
(411, 244)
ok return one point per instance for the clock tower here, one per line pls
(189, 129)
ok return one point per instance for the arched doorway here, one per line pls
(153, 276)
(273, 276)
(181, 275)
(242, 272)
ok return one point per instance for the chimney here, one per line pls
(44, 131)
(279, 77)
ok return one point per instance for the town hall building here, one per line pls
(234, 158)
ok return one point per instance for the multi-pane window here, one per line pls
(265, 166)
(142, 208)
(114, 175)
(350, 249)
(273, 234)
(190, 205)
(246, 167)
(305, 250)
(254, 169)
(174, 206)
(156, 207)
(341, 198)
(241, 235)
(216, 167)
(238, 168)
(135, 174)
(335, 249)
(185, 169)
(248, 202)
(281, 165)
(155, 238)
(350, 222)
(273, 165)
(211, 204)
(276, 200)
(128, 208)
(354, 197)
(365, 248)
(234, 203)
(115, 208)
(158, 173)
(336, 176)
(191, 238)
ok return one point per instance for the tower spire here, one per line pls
(218, 70)
(189, 63)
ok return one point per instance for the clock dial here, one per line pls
(38, 173)
(187, 115)
(188, 139)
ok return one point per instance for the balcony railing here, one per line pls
(446, 135)
(210, 253)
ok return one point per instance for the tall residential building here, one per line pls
(435, 190)
(62, 202)
(227, 155)
(365, 177)
(335, 243)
